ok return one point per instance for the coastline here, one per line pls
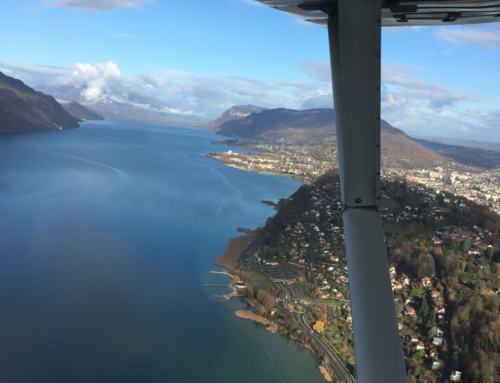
(235, 246)
(230, 261)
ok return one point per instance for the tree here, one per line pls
(399, 307)
(423, 311)
(455, 363)
(291, 324)
(319, 326)
(250, 293)
(466, 244)
(478, 285)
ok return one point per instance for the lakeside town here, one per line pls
(443, 244)
(306, 164)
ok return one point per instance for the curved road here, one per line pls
(340, 370)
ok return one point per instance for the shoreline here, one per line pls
(235, 247)
(230, 261)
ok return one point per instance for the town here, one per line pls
(307, 163)
(442, 239)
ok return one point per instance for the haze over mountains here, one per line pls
(22, 109)
(132, 107)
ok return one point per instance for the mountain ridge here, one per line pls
(24, 110)
(317, 126)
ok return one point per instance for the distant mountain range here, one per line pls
(133, 107)
(310, 127)
(495, 146)
(467, 155)
(22, 109)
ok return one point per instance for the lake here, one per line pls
(108, 233)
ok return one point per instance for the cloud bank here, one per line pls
(408, 102)
(487, 36)
(421, 107)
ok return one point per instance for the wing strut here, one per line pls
(354, 31)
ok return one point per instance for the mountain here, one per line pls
(283, 125)
(22, 109)
(399, 149)
(79, 112)
(132, 106)
(488, 159)
(317, 126)
(495, 146)
(236, 112)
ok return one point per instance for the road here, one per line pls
(338, 367)
(340, 370)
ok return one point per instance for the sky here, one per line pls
(201, 57)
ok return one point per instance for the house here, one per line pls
(437, 341)
(455, 376)
(414, 339)
(410, 311)
(426, 282)
(436, 365)
(435, 294)
(420, 346)
(239, 285)
(404, 280)
(392, 270)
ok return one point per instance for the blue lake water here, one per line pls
(107, 235)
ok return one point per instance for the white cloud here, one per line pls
(421, 107)
(185, 93)
(403, 29)
(408, 102)
(96, 5)
(487, 36)
(318, 70)
(435, 95)
(99, 81)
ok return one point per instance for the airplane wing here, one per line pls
(401, 12)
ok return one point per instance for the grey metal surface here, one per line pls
(379, 355)
(355, 60)
(355, 48)
(400, 13)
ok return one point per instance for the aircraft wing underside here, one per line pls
(400, 13)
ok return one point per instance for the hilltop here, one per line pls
(22, 109)
(315, 129)
(236, 112)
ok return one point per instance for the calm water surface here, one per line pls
(108, 233)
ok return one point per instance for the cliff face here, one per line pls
(22, 109)
(236, 112)
(80, 112)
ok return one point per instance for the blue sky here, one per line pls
(204, 56)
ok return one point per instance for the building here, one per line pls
(455, 376)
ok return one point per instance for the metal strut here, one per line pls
(354, 33)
